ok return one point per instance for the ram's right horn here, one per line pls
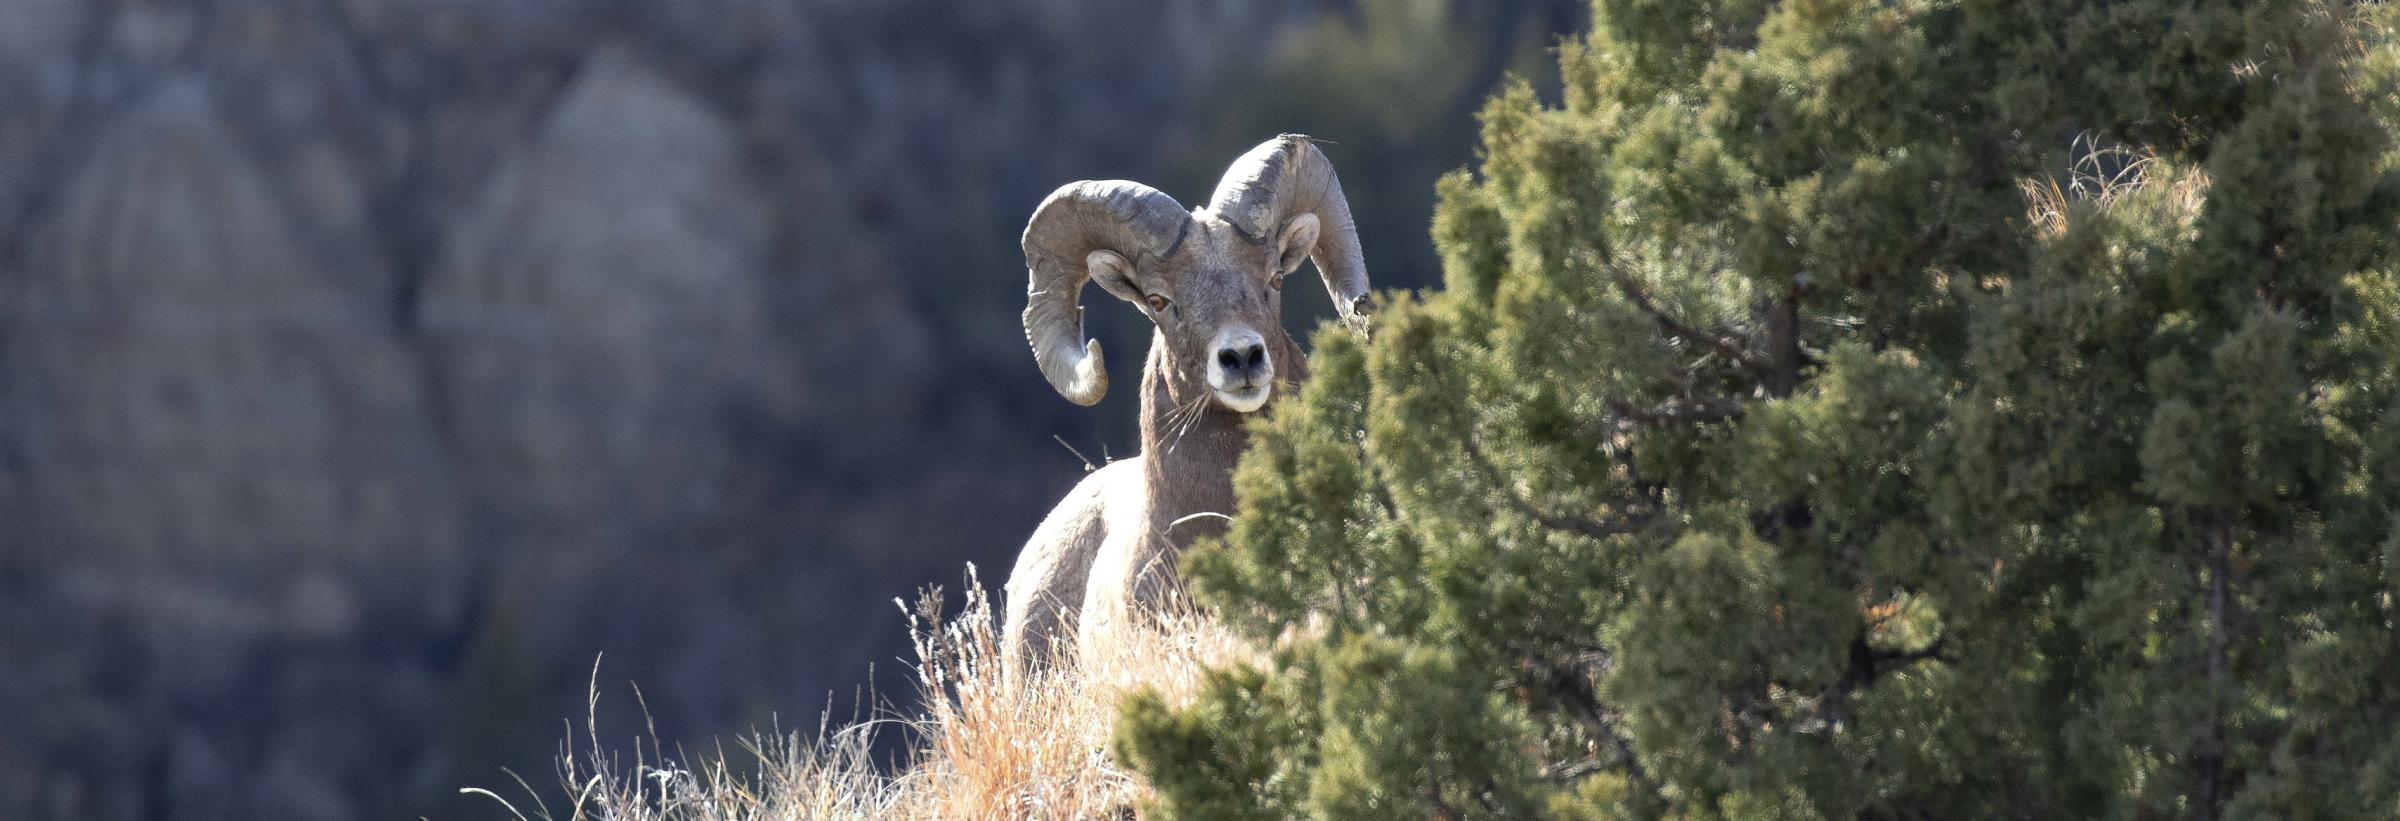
(1067, 236)
(1283, 178)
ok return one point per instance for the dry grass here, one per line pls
(986, 744)
(2101, 174)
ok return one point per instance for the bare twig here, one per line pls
(2217, 531)
(1573, 690)
(1205, 514)
(1594, 528)
(1676, 413)
(1784, 357)
(1920, 251)
(1724, 344)
(1087, 463)
(1867, 665)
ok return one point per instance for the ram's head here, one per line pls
(1211, 279)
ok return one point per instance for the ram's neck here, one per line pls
(1189, 445)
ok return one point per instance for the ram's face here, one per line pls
(1218, 301)
(1210, 279)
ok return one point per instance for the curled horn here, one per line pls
(1076, 224)
(1285, 177)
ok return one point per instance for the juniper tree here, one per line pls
(1960, 408)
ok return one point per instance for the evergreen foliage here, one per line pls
(1928, 408)
(1399, 81)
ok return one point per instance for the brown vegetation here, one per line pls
(985, 743)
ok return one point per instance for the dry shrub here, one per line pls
(986, 744)
(2099, 175)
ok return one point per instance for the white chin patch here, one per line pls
(1245, 400)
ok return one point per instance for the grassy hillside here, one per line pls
(982, 744)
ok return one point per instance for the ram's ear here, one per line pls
(1114, 274)
(1266, 190)
(1297, 242)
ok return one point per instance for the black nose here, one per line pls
(1249, 358)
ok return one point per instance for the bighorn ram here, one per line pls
(1211, 280)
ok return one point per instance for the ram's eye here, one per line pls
(1275, 282)
(1157, 303)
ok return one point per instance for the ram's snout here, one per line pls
(1240, 370)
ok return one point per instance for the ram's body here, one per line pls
(1107, 552)
(1210, 280)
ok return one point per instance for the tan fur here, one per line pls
(1105, 558)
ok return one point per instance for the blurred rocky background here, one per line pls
(369, 368)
